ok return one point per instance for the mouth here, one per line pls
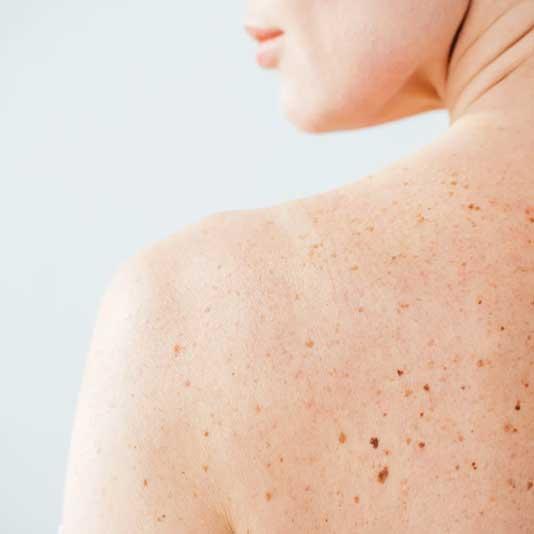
(269, 41)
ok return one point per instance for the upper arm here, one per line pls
(134, 464)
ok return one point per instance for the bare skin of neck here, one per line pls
(491, 73)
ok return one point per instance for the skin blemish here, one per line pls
(400, 372)
(177, 349)
(310, 343)
(511, 482)
(206, 433)
(480, 363)
(354, 268)
(508, 427)
(408, 440)
(145, 483)
(408, 392)
(530, 485)
(501, 328)
(374, 442)
(426, 387)
(187, 383)
(342, 437)
(420, 218)
(281, 459)
(518, 405)
(473, 207)
(356, 499)
(457, 467)
(205, 467)
(474, 465)
(403, 305)
(258, 408)
(161, 518)
(421, 414)
(268, 496)
(421, 444)
(460, 437)
(383, 474)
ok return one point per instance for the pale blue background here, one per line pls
(121, 121)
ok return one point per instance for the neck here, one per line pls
(491, 71)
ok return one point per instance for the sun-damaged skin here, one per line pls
(358, 361)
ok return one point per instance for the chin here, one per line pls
(315, 113)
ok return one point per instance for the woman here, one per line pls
(356, 361)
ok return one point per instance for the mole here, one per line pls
(145, 483)
(400, 372)
(309, 343)
(374, 442)
(357, 499)
(342, 437)
(268, 496)
(421, 444)
(383, 474)
(518, 405)
(426, 387)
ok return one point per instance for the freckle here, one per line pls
(530, 485)
(307, 488)
(281, 459)
(474, 465)
(480, 363)
(268, 496)
(403, 305)
(145, 483)
(342, 437)
(457, 467)
(421, 444)
(426, 387)
(387, 452)
(454, 182)
(420, 218)
(187, 383)
(268, 465)
(354, 268)
(177, 349)
(207, 310)
(518, 405)
(205, 467)
(400, 372)
(408, 440)
(508, 427)
(356, 499)
(206, 433)
(460, 437)
(309, 343)
(258, 408)
(371, 228)
(511, 482)
(408, 392)
(360, 309)
(383, 474)
(385, 414)
(473, 207)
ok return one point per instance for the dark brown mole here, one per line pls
(473, 207)
(400, 372)
(474, 465)
(383, 474)
(426, 387)
(374, 442)
(502, 328)
(518, 405)
(342, 437)
(421, 444)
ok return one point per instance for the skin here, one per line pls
(355, 361)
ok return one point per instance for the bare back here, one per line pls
(385, 381)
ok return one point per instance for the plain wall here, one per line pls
(120, 122)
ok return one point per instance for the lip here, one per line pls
(263, 34)
(267, 55)
(269, 42)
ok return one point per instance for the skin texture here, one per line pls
(355, 361)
